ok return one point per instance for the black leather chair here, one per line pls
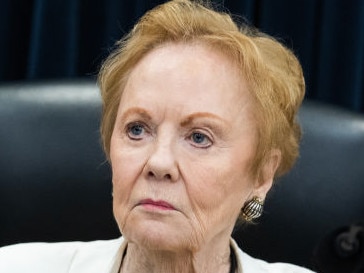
(56, 186)
(322, 194)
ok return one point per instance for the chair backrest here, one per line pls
(323, 192)
(56, 186)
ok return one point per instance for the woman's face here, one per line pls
(181, 149)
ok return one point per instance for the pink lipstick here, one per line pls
(159, 204)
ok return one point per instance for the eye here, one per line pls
(200, 140)
(136, 131)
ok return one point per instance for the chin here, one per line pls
(159, 236)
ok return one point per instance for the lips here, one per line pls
(156, 204)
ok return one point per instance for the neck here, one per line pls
(142, 260)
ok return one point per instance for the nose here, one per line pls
(162, 164)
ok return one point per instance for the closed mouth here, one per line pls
(158, 204)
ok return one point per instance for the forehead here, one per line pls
(192, 76)
(195, 56)
(193, 63)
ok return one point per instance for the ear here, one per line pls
(266, 174)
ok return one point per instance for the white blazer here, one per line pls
(102, 257)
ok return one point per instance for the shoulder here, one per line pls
(57, 257)
(248, 264)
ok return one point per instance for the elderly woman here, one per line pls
(199, 117)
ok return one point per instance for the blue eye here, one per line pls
(200, 140)
(135, 131)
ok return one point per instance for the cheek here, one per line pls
(211, 189)
(126, 163)
(217, 190)
(126, 167)
(124, 171)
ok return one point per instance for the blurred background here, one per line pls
(58, 39)
(55, 183)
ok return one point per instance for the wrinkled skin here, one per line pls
(181, 149)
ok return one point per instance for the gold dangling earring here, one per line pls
(252, 209)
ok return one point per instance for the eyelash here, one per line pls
(132, 126)
(198, 145)
(145, 130)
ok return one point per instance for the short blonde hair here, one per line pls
(272, 72)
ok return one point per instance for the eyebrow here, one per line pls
(135, 111)
(200, 115)
(209, 118)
